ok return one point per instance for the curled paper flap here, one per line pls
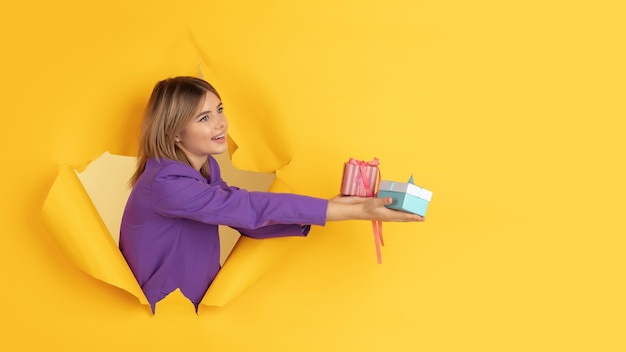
(74, 223)
(247, 263)
(258, 131)
(106, 183)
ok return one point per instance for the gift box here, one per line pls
(360, 178)
(406, 196)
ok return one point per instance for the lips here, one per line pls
(219, 137)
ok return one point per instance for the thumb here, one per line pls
(384, 201)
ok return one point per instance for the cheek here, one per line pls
(190, 137)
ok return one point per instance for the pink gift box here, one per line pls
(360, 178)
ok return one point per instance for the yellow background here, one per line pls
(512, 113)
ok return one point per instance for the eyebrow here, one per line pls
(208, 111)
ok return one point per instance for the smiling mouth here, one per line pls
(219, 137)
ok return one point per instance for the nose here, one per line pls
(221, 123)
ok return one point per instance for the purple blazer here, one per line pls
(169, 232)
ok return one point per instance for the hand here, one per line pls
(366, 208)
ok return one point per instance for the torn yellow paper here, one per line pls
(249, 261)
(83, 212)
(73, 221)
(254, 124)
(106, 183)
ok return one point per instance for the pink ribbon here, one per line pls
(377, 225)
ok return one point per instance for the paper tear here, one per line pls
(106, 182)
(83, 212)
(200, 75)
(74, 223)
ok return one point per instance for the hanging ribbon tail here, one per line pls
(377, 241)
(379, 225)
(376, 225)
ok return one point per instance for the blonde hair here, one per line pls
(171, 106)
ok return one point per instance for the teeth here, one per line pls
(218, 137)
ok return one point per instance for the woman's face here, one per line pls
(205, 134)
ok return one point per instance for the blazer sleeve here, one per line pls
(179, 193)
(270, 231)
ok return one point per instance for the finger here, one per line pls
(396, 215)
(387, 200)
(415, 217)
(382, 201)
(411, 218)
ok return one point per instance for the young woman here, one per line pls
(169, 233)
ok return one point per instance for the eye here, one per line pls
(220, 109)
(204, 118)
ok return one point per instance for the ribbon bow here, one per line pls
(377, 225)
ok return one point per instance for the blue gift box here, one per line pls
(406, 196)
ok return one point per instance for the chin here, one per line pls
(220, 151)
